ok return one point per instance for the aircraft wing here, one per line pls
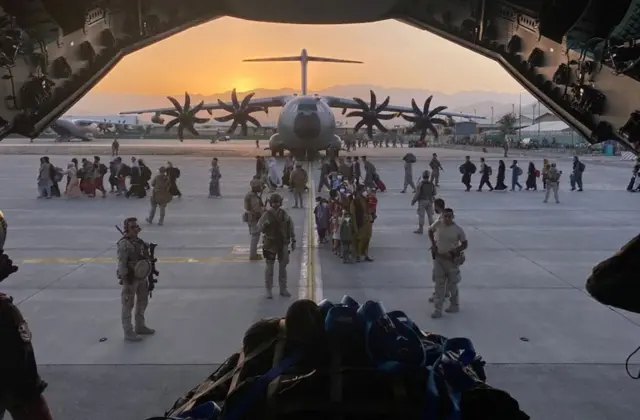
(268, 102)
(344, 103)
(86, 121)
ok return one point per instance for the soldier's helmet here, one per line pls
(425, 174)
(255, 184)
(275, 199)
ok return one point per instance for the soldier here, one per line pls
(436, 167)
(553, 180)
(424, 196)
(21, 387)
(161, 195)
(299, 179)
(253, 209)
(278, 230)
(134, 268)
(448, 241)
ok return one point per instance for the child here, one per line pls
(372, 204)
(346, 236)
(321, 212)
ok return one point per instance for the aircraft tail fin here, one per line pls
(333, 60)
(256, 60)
(303, 59)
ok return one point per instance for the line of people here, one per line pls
(550, 175)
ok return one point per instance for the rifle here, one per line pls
(152, 278)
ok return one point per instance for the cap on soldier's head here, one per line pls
(162, 169)
(255, 183)
(275, 198)
(425, 174)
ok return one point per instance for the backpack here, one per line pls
(519, 170)
(488, 170)
(350, 360)
(581, 166)
(103, 169)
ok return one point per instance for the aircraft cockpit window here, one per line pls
(307, 107)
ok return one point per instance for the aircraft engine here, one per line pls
(370, 114)
(425, 119)
(185, 116)
(239, 113)
(157, 119)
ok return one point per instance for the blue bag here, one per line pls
(452, 372)
(391, 342)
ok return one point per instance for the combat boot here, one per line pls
(436, 314)
(256, 258)
(284, 292)
(420, 230)
(144, 330)
(452, 309)
(268, 293)
(131, 336)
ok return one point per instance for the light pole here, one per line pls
(491, 115)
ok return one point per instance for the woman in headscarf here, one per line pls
(73, 186)
(362, 218)
(500, 185)
(532, 183)
(273, 180)
(214, 184)
(173, 173)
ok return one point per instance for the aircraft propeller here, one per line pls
(423, 119)
(184, 116)
(370, 114)
(104, 128)
(240, 112)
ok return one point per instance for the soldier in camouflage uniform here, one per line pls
(21, 387)
(132, 249)
(424, 196)
(253, 210)
(278, 230)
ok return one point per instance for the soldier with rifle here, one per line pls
(278, 233)
(136, 268)
(21, 387)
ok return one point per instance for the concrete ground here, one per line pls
(551, 346)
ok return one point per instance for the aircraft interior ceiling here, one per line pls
(581, 58)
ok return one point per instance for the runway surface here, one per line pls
(551, 346)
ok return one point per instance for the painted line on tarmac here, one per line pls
(306, 276)
(166, 260)
(315, 269)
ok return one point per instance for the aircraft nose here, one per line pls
(307, 126)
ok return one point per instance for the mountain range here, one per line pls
(481, 103)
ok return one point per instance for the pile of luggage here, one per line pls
(347, 361)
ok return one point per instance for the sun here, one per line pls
(244, 84)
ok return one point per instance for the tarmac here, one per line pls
(557, 351)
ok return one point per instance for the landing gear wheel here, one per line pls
(273, 153)
(281, 153)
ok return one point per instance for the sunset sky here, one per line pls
(208, 59)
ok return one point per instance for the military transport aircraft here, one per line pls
(306, 124)
(84, 129)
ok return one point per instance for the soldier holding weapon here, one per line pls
(136, 268)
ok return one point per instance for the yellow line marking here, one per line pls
(167, 260)
(311, 281)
